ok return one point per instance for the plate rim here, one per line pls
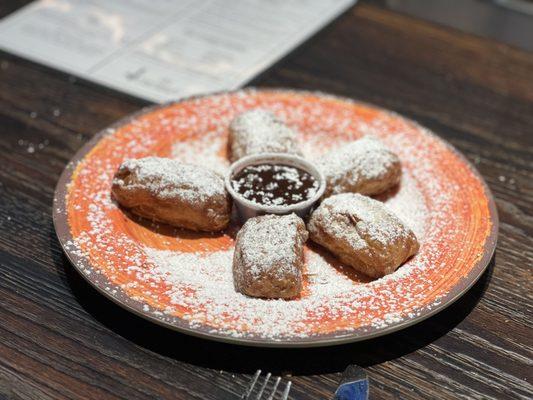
(62, 230)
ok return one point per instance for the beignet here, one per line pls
(269, 256)
(363, 233)
(364, 166)
(259, 131)
(165, 190)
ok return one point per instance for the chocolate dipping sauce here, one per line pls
(274, 184)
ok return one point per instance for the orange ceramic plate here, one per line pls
(183, 280)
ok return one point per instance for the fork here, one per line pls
(249, 395)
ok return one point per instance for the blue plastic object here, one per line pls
(354, 385)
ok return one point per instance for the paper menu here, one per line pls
(164, 49)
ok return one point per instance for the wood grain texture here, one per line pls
(61, 340)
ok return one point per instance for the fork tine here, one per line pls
(273, 392)
(246, 394)
(263, 386)
(285, 394)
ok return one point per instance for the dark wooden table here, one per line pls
(60, 339)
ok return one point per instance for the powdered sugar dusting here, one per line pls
(207, 150)
(172, 179)
(377, 222)
(408, 204)
(365, 158)
(211, 278)
(195, 283)
(269, 243)
(260, 131)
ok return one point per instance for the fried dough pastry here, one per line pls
(259, 131)
(362, 233)
(269, 256)
(165, 190)
(364, 166)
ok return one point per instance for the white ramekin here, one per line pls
(248, 209)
